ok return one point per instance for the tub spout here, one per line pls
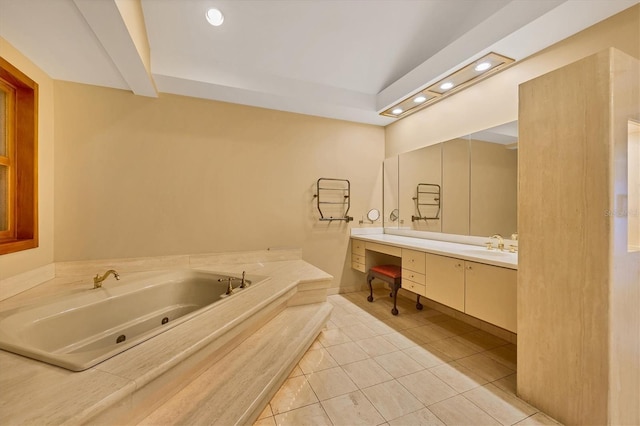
(97, 280)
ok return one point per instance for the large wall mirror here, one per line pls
(465, 186)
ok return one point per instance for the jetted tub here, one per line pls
(86, 328)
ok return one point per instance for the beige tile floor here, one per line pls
(368, 367)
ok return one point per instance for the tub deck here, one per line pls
(133, 381)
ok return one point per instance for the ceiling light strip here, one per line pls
(454, 82)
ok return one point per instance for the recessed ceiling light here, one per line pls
(215, 17)
(483, 66)
(477, 70)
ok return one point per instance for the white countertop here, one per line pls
(469, 252)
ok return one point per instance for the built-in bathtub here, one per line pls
(81, 330)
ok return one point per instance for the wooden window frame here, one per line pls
(22, 125)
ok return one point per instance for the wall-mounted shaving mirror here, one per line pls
(465, 186)
(373, 215)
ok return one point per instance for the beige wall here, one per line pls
(144, 177)
(494, 101)
(20, 262)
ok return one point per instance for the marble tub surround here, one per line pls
(236, 389)
(474, 253)
(14, 285)
(87, 267)
(147, 374)
(18, 283)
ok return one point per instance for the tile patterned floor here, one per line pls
(368, 367)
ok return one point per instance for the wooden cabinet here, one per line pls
(490, 294)
(413, 271)
(358, 255)
(445, 280)
(483, 291)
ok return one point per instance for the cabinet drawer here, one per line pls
(413, 276)
(357, 247)
(413, 260)
(413, 287)
(357, 258)
(358, 266)
(383, 248)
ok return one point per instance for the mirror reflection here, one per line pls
(465, 186)
(390, 191)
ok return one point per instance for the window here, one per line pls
(18, 160)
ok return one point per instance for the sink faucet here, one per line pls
(97, 280)
(500, 241)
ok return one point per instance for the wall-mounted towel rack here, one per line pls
(427, 194)
(333, 199)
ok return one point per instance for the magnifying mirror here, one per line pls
(373, 215)
(394, 215)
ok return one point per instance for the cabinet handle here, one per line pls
(469, 268)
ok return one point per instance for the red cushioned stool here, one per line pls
(390, 274)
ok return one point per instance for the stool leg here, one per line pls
(369, 279)
(418, 304)
(394, 311)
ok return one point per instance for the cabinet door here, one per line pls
(413, 260)
(445, 280)
(491, 294)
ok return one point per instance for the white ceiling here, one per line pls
(345, 59)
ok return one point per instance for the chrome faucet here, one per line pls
(97, 280)
(500, 241)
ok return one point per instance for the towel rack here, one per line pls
(333, 197)
(427, 194)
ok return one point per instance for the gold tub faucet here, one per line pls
(97, 280)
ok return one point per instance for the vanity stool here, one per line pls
(390, 274)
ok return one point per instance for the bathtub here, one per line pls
(81, 330)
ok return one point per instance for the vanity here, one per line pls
(440, 205)
(468, 278)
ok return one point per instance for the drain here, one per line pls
(165, 320)
(121, 338)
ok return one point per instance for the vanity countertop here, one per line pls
(473, 253)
